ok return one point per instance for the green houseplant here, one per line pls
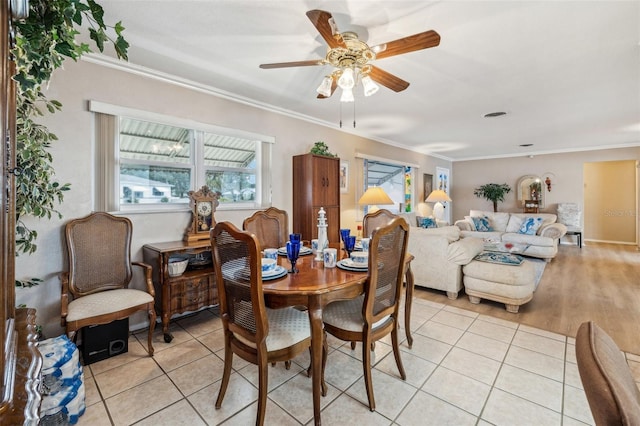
(42, 42)
(493, 192)
(321, 148)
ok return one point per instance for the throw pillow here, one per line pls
(482, 224)
(530, 225)
(428, 222)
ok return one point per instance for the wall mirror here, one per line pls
(530, 188)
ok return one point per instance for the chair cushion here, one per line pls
(347, 315)
(608, 383)
(287, 327)
(106, 302)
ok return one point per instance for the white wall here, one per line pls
(73, 156)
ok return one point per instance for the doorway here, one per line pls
(610, 202)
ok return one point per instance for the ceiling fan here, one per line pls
(351, 58)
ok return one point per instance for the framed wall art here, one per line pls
(427, 184)
(344, 176)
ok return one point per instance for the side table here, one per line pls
(577, 232)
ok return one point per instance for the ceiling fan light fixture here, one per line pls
(347, 80)
(325, 87)
(347, 95)
(369, 86)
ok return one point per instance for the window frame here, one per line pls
(108, 161)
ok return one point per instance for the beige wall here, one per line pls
(566, 171)
(73, 156)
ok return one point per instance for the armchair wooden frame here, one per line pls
(95, 287)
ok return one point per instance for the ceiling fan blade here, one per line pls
(407, 44)
(388, 80)
(326, 26)
(334, 86)
(309, 63)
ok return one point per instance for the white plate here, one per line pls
(282, 251)
(350, 263)
(344, 264)
(278, 272)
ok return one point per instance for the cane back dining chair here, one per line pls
(95, 287)
(373, 315)
(271, 226)
(610, 387)
(252, 331)
(371, 221)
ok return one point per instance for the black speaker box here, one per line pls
(104, 341)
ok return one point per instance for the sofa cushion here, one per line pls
(515, 222)
(547, 218)
(410, 218)
(463, 251)
(482, 224)
(469, 220)
(532, 240)
(451, 233)
(497, 220)
(489, 236)
(530, 225)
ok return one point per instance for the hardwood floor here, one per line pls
(600, 282)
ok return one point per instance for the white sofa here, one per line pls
(505, 227)
(439, 254)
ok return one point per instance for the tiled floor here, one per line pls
(464, 368)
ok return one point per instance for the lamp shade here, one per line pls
(437, 196)
(375, 196)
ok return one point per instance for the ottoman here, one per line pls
(512, 285)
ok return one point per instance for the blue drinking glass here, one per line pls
(295, 238)
(350, 244)
(293, 251)
(344, 233)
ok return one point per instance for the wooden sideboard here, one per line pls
(193, 290)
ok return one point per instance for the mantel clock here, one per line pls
(203, 204)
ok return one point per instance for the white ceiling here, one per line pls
(566, 72)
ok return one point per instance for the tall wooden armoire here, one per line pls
(316, 183)
(20, 361)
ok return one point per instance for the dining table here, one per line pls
(314, 286)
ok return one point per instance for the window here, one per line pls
(151, 162)
(394, 179)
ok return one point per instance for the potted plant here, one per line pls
(493, 192)
(321, 148)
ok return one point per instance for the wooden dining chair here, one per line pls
(371, 221)
(271, 226)
(252, 331)
(374, 315)
(608, 383)
(95, 287)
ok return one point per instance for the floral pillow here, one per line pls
(530, 225)
(427, 222)
(482, 224)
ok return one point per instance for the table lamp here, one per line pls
(374, 196)
(438, 196)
